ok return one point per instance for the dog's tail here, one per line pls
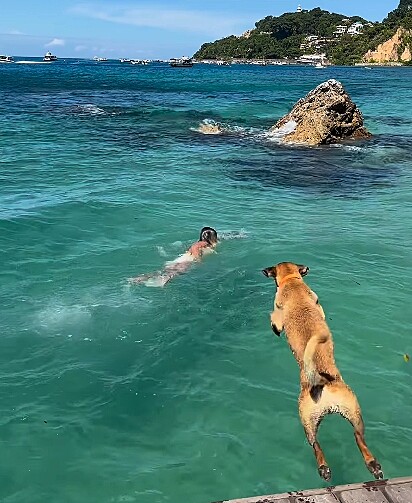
(312, 375)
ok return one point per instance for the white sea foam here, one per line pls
(162, 252)
(225, 235)
(89, 109)
(212, 127)
(352, 148)
(58, 315)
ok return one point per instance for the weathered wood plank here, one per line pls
(270, 498)
(273, 498)
(379, 491)
(369, 495)
(318, 498)
(400, 493)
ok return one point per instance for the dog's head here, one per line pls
(283, 269)
(209, 235)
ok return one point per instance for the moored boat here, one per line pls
(139, 61)
(183, 62)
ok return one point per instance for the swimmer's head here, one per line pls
(209, 235)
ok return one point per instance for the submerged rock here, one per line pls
(325, 115)
(210, 127)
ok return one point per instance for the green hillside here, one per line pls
(285, 36)
(349, 50)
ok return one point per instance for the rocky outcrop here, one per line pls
(325, 115)
(396, 49)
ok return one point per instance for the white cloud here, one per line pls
(14, 32)
(161, 17)
(80, 48)
(55, 42)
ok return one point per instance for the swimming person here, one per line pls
(206, 244)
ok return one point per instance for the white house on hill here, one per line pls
(355, 29)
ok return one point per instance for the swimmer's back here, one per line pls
(197, 249)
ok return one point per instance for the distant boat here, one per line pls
(125, 60)
(139, 61)
(6, 59)
(183, 62)
(49, 57)
(97, 58)
(320, 64)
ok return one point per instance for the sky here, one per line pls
(145, 29)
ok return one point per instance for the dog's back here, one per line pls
(308, 334)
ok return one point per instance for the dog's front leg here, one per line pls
(316, 299)
(276, 321)
(322, 312)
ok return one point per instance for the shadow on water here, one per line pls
(342, 170)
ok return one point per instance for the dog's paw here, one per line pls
(324, 472)
(275, 330)
(375, 468)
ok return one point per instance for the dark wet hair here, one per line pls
(209, 235)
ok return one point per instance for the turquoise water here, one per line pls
(112, 393)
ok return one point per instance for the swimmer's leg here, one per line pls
(142, 278)
(156, 279)
(160, 278)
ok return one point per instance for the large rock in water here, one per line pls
(325, 115)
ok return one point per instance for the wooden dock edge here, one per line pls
(397, 490)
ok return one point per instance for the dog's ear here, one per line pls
(269, 272)
(303, 270)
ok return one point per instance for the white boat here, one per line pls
(6, 59)
(49, 57)
(97, 58)
(320, 64)
(183, 62)
(139, 62)
(125, 60)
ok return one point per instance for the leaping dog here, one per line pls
(297, 311)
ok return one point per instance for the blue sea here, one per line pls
(119, 393)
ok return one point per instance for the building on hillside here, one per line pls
(340, 30)
(312, 58)
(313, 41)
(299, 9)
(355, 29)
(246, 34)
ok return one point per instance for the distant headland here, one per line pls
(311, 34)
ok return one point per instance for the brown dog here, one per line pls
(323, 391)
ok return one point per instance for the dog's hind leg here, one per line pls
(355, 417)
(349, 408)
(310, 420)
